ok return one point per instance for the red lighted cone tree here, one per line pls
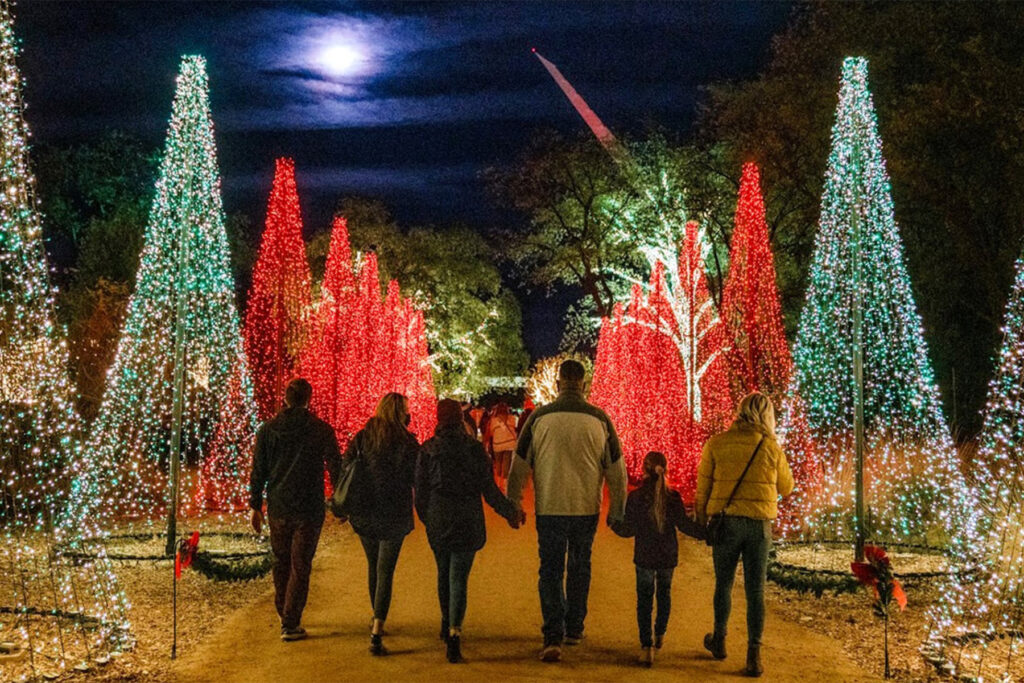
(331, 333)
(279, 300)
(759, 357)
(366, 345)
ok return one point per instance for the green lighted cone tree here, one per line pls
(56, 613)
(978, 624)
(185, 253)
(913, 488)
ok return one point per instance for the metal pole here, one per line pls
(179, 392)
(858, 381)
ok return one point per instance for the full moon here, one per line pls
(340, 59)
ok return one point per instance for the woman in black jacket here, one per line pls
(389, 451)
(452, 473)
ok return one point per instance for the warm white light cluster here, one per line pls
(56, 613)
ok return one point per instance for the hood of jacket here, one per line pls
(290, 421)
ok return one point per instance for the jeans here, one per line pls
(293, 543)
(381, 559)
(649, 582)
(564, 606)
(452, 580)
(750, 540)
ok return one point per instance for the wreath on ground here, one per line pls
(819, 580)
(217, 565)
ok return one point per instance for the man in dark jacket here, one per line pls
(292, 451)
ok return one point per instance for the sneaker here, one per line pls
(377, 648)
(551, 654)
(646, 657)
(290, 634)
(659, 640)
(573, 639)
(454, 651)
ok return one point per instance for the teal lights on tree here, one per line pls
(184, 299)
(972, 613)
(58, 614)
(913, 488)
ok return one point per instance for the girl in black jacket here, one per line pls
(452, 473)
(389, 451)
(653, 512)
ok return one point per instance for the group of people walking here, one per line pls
(570, 450)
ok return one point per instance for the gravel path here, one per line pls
(502, 630)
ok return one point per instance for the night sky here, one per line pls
(406, 102)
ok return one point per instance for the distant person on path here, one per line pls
(292, 451)
(749, 445)
(452, 473)
(572, 449)
(528, 408)
(653, 512)
(389, 451)
(500, 439)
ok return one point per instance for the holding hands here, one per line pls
(518, 519)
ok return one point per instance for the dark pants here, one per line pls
(750, 540)
(648, 583)
(381, 559)
(564, 605)
(452, 581)
(293, 542)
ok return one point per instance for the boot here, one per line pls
(454, 652)
(377, 648)
(646, 657)
(754, 668)
(715, 645)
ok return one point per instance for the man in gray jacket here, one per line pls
(572, 449)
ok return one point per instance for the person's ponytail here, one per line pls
(654, 468)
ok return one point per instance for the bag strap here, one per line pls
(740, 480)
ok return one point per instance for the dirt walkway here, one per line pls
(502, 629)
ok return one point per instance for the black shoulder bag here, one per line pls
(715, 523)
(353, 490)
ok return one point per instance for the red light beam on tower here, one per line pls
(604, 136)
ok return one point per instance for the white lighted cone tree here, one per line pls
(56, 614)
(978, 625)
(914, 491)
(184, 300)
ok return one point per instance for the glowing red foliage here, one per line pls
(279, 298)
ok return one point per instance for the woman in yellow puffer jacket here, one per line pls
(747, 527)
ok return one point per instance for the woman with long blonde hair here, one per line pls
(742, 473)
(389, 452)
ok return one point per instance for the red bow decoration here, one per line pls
(877, 573)
(186, 553)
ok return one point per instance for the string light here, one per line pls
(914, 491)
(364, 345)
(759, 357)
(59, 614)
(973, 612)
(127, 447)
(279, 299)
(661, 371)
